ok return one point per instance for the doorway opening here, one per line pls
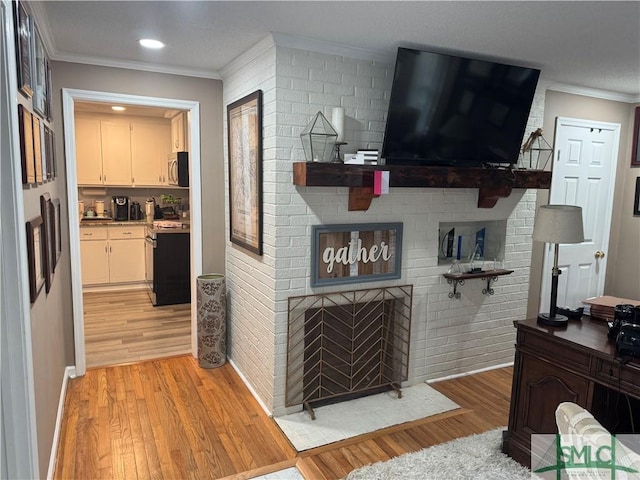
(69, 100)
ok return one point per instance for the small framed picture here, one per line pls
(35, 254)
(23, 45)
(26, 145)
(37, 149)
(39, 75)
(636, 200)
(58, 229)
(48, 233)
(635, 147)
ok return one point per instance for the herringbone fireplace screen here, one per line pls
(347, 344)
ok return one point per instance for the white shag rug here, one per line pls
(477, 457)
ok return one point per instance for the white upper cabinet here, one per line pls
(150, 146)
(178, 133)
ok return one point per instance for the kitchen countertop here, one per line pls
(98, 222)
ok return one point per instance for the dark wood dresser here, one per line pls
(576, 363)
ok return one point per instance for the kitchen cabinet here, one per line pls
(113, 254)
(123, 151)
(116, 152)
(150, 145)
(178, 133)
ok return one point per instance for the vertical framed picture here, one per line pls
(47, 233)
(58, 229)
(244, 129)
(35, 255)
(37, 149)
(635, 148)
(26, 145)
(23, 25)
(49, 92)
(39, 75)
(636, 200)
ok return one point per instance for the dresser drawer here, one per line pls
(93, 233)
(126, 232)
(623, 376)
(555, 351)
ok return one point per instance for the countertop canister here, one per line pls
(212, 320)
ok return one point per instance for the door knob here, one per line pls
(599, 254)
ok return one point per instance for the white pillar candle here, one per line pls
(337, 120)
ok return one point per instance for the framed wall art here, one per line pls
(355, 253)
(244, 128)
(58, 229)
(35, 255)
(24, 25)
(39, 75)
(37, 150)
(636, 199)
(635, 147)
(48, 233)
(26, 145)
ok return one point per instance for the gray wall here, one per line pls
(51, 315)
(622, 279)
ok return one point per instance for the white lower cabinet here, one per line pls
(113, 254)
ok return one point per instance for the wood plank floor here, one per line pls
(123, 327)
(171, 419)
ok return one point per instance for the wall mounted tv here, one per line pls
(456, 111)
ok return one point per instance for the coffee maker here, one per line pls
(120, 207)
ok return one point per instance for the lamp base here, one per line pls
(555, 321)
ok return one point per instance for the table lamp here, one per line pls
(557, 224)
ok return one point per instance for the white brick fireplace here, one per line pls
(448, 336)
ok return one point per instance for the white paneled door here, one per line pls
(585, 157)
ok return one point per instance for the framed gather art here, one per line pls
(355, 253)
(244, 129)
(35, 255)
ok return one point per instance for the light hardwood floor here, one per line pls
(171, 419)
(123, 327)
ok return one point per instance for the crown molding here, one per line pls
(248, 56)
(592, 92)
(42, 23)
(329, 48)
(130, 65)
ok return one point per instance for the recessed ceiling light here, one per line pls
(118, 108)
(150, 43)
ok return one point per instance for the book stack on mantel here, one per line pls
(603, 307)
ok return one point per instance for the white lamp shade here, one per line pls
(559, 224)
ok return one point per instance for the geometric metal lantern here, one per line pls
(318, 139)
(535, 152)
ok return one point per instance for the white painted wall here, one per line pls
(447, 336)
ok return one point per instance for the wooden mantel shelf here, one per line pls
(493, 183)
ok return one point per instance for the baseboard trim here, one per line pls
(250, 387)
(69, 372)
(472, 372)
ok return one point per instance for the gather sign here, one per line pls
(355, 253)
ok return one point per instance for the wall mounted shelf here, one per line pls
(493, 183)
(456, 279)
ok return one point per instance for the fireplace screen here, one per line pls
(347, 344)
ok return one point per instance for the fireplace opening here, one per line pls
(345, 345)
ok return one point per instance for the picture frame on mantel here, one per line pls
(355, 253)
(244, 130)
(635, 146)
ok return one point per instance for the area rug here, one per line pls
(363, 415)
(477, 457)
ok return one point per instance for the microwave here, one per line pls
(178, 169)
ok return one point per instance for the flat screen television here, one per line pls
(456, 111)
